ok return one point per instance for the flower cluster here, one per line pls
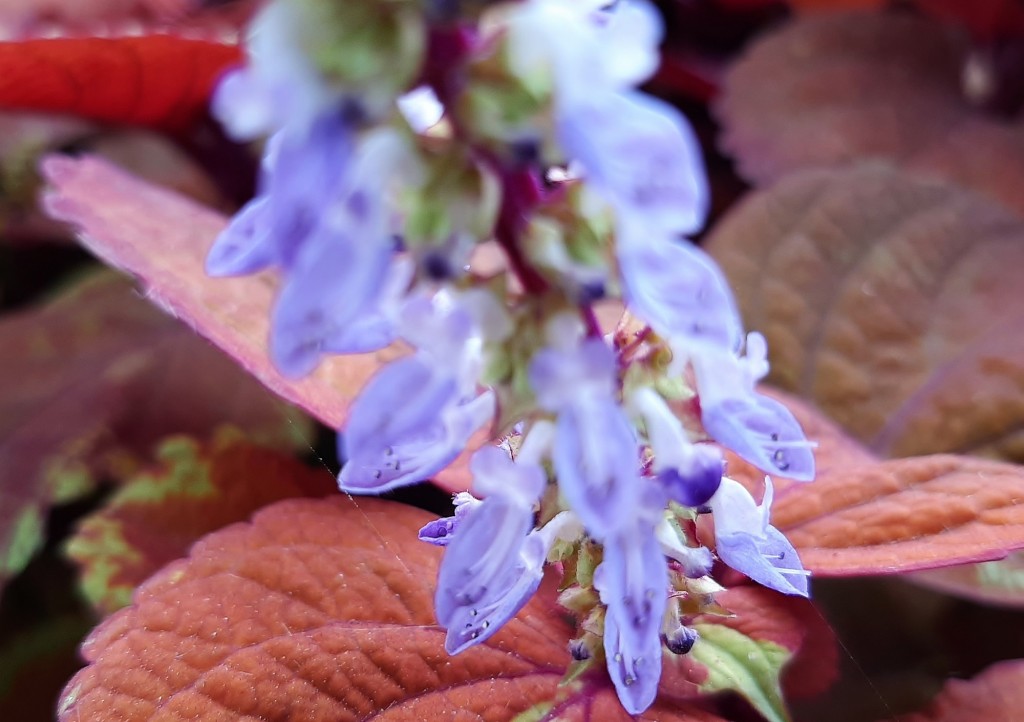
(477, 182)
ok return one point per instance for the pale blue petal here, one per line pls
(560, 376)
(633, 583)
(770, 561)
(762, 431)
(244, 246)
(484, 578)
(596, 459)
(334, 284)
(677, 288)
(642, 154)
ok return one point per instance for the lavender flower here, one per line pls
(676, 288)
(280, 85)
(301, 179)
(758, 428)
(695, 562)
(595, 450)
(495, 562)
(339, 298)
(640, 153)
(374, 226)
(689, 473)
(633, 583)
(409, 422)
(748, 543)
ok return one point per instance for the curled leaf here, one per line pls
(893, 303)
(322, 610)
(194, 489)
(848, 87)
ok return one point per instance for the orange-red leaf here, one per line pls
(995, 695)
(163, 238)
(322, 610)
(905, 514)
(194, 489)
(157, 81)
(837, 88)
(894, 303)
(90, 381)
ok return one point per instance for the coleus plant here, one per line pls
(374, 227)
(593, 462)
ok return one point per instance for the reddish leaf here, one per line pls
(92, 381)
(322, 610)
(995, 695)
(155, 517)
(894, 303)
(905, 514)
(850, 87)
(163, 238)
(157, 81)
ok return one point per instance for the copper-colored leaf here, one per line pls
(195, 489)
(995, 695)
(894, 303)
(906, 514)
(842, 87)
(322, 610)
(157, 81)
(90, 382)
(163, 238)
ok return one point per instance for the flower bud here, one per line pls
(681, 640)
